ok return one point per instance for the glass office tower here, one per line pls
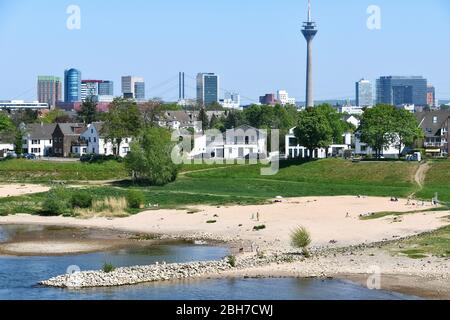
(207, 88)
(72, 85)
(402, 90)
(364, 93)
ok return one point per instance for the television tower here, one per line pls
(309, 31)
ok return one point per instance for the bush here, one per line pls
(257, 228)
(81, 200)
(108, 268)
(56, 203)
(231, 261)
(95, 158)
(135, 199)
(301, 238)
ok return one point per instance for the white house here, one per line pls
(363, 149)
(5, 146)
(244, 142)
(38, 139)
(97, 144)
(352, 110)
(294, 150)
(176, 120)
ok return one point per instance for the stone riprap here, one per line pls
(159, 272)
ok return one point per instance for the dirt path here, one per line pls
(421, 174)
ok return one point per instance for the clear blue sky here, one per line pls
(254, 45)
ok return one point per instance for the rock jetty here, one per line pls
(160, 272)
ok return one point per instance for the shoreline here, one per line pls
(358, 243)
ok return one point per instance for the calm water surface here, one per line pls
(19, 276)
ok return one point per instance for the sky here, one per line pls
(255, 46)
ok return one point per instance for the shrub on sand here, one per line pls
(56, 202)
(300, 238)
(135, 199)
(81, 199)
(107, 207)
(108, 268)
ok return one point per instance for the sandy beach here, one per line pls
(13, 190)
(329, 219)
(334, 222)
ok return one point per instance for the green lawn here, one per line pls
(436, 243)
(45, 171)
(437, 180)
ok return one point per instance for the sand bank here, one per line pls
(13, 190)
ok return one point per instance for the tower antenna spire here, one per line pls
(309, 10)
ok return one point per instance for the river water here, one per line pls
(19, 277)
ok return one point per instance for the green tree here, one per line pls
(313, 130)
(5, 123)
(151, 111)
(123, 120)
(203, 118)
(407, 129)
(150, 157)
(234, 119)
(337, 124)
(215, 106)
(378, 127)
(88, 112)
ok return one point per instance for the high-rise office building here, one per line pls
(431, 96)
(72, 85)
(89, 88)
(92, 88)
(106, 88)
(268, 99)
(364, 93)
(283, 98)
(207, 88)
(49, 90)
(139, 90)
(133, 87)
(402, 90)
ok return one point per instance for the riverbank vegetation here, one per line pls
(436, 243)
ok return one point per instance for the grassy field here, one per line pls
(47, 171)
(436, 243)
(437, 180)
(44, 171)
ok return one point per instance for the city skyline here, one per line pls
(251, 71)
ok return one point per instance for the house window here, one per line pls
(92, 131)
(95, 139)
(435, 119)
(35, 142)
